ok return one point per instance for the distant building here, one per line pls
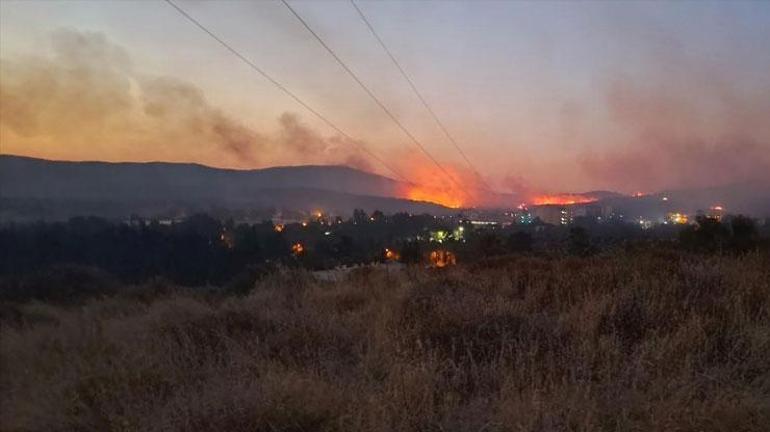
(523, 217)
(484, 223)
(609, 213)
(716, 212)
(279, 218)
(589, 211)
(553, 214)
(526, 218)
(168, 222)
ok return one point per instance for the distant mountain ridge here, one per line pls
(749, 198)
(123, 185)
(33, 188)
(73, 179)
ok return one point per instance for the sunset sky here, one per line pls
(553, 96)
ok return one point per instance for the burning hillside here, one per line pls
(446, 197)
(437, 188)
(562, 199)
(451, 187)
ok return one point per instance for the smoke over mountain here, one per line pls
(86, 101)
(680, 123)
(684, 123)
(305, 141)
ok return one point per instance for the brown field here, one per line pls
(630, 341)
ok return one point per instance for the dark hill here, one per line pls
(35, 188)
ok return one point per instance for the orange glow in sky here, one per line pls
(80, 83)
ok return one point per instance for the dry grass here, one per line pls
(627, 342)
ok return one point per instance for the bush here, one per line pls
(63, 284)
(640, 340)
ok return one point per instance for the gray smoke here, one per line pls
(86, 101)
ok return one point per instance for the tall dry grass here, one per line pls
(625, 342)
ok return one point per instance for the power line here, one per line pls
(419, 95)
(287, 91)
(377, 100)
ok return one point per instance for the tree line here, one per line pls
(204, 251)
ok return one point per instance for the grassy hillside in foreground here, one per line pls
(647, 341)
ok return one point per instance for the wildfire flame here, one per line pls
(455, 188)
(436, 196)
(562, 199)
(451, 187)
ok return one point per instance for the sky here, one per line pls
(546, 96)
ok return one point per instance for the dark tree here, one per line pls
(359, 216)
(744, 232)
(519, 241)
(411, 253)
(579, 242)
(707, 235)
(378, 216)
(489, 244)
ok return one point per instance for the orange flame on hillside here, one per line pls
(451, 187)
(432, 195)
(562, 199)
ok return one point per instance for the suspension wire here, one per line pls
(288, 92)
(420, 96)
(376, 100)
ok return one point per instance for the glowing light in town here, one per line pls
(297, 249)
(227, 238)
(391, 255)
(678, 218)
(442, 258)
(439, 236)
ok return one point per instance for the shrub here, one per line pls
(636, 340)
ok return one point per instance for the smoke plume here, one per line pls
(86, 101)
(684, 125)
